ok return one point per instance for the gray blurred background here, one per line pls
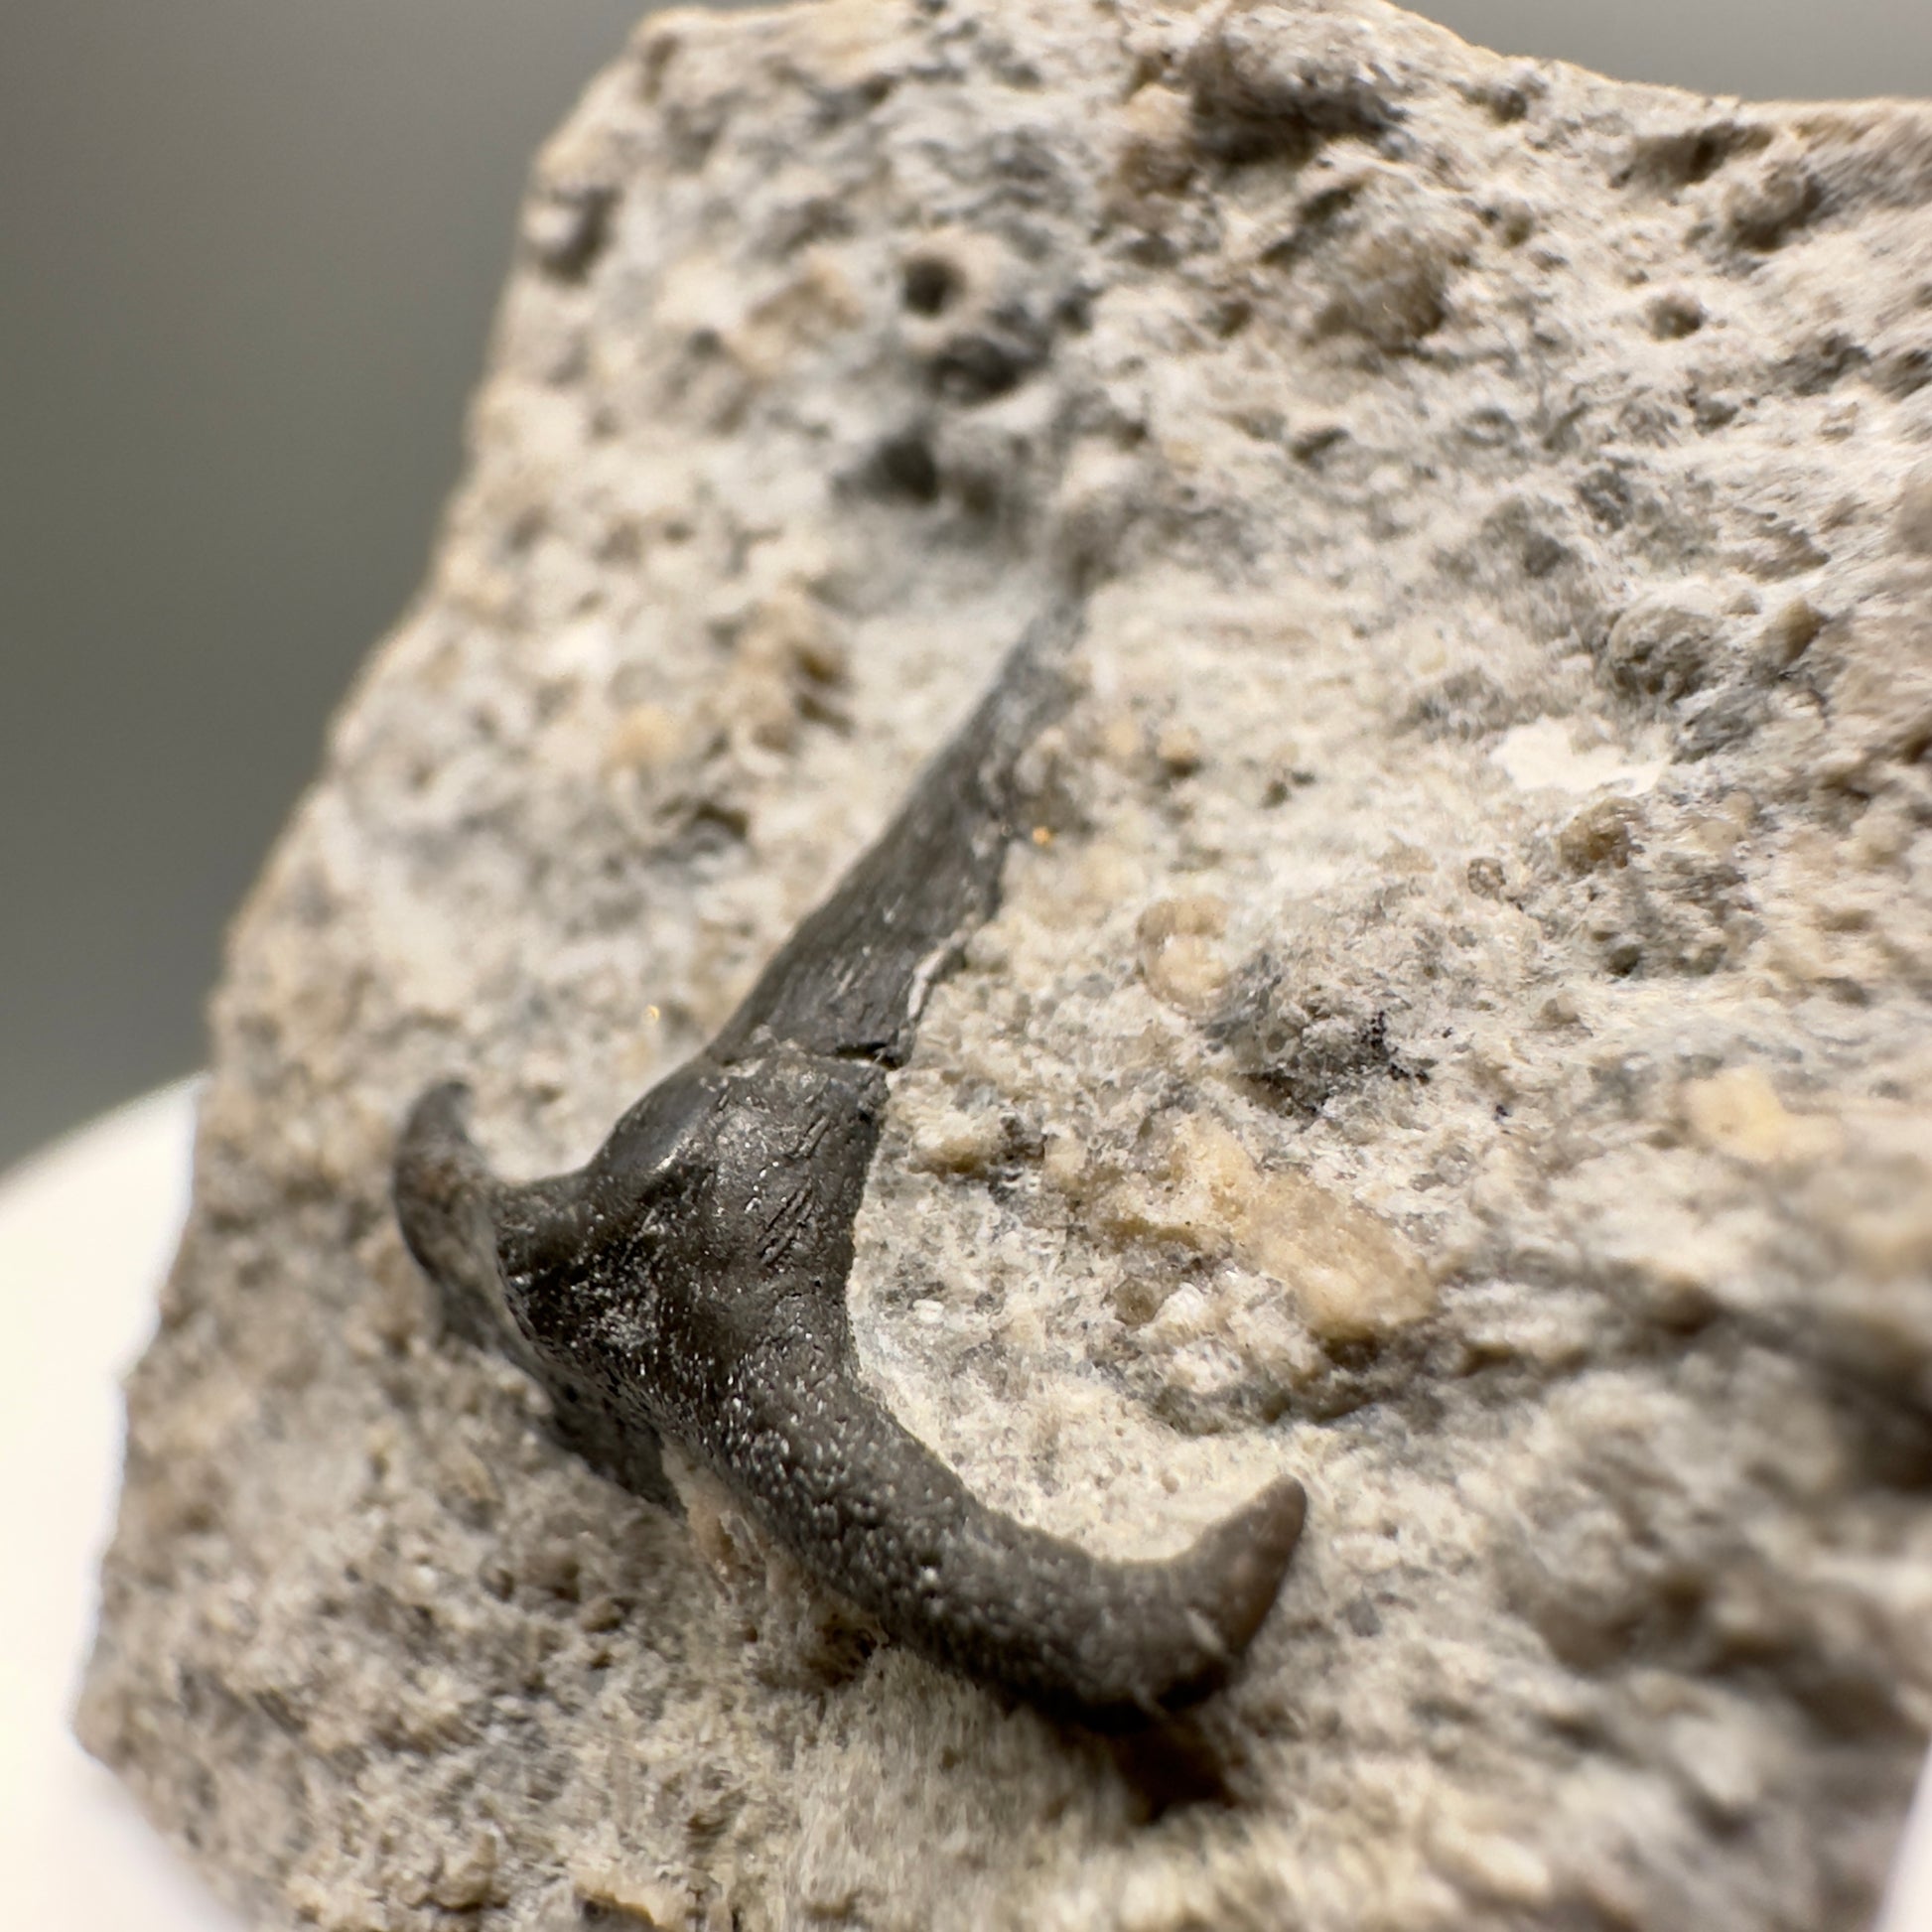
(248, 252)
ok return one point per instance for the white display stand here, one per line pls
(86, 1230)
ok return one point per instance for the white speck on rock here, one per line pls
(1544, 756)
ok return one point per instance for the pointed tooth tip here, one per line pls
(1248, 1555)
(1279, 1513)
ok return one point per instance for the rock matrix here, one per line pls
(1459, 1031)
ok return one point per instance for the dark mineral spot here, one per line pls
(1684, 156)
(928, 284)
(1314, 220)
(1607, 493)
(977, 364)
(1507, 105)
(571, 228)
(836, 106)
(1674, 315)
(1663, 650)
(1902, 372)
(1622, 955)
(1767, 213)
(1542, 553)
(1727, 717)
(1821, 364)
(903, 468)
(1312, 445)
(1251, 104)
(1301, 1041)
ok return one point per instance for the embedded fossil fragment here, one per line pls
(689, 1283)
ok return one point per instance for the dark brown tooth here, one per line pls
(689, 1283)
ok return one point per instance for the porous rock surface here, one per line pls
(1457, 1033)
